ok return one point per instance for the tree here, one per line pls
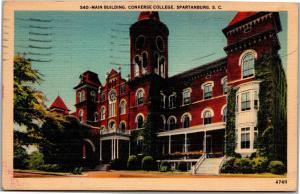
(29, 107)
(149, 135)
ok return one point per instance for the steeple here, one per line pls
(59, 106)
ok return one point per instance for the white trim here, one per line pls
(252, 51)
(207, 83)
(110, 121)
(188, 114)
(172, 116)
(222, 109)
(91, 143)
(207, 109)
(122, 121)
(223, 78)
(102, 108)
(164, 118)
(139, 114)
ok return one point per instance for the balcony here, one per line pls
(114, 132)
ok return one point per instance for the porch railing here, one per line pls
(114, 131)
(197, 165)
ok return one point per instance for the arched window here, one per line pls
(139, 121)
(95, 116)
(224, 113)
(112, 125)
(123, 107)
(155, 63)
(162, 66)
(138, 63)
(247, 62)
(224, 85)
(82, 96)
(207, 117)
(162, 122)
(172, 123)
(102, 110)
(122, 125)
(80, 115)
(145, 61)
(93, 96)
(140, 97)
(112, 103)
(186, 120)
(79, 97)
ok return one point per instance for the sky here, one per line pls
(65, 44)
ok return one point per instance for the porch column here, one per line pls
(100, 150)
(185, 142)
(204, 142)
(170, 144)
(117, 140)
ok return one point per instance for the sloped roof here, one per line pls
(240, 16)
(59, 103)
(146, 15)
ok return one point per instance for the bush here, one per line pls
(243, 165)
(77, 170)
(50, 167)
(132, 163)
(20, 158)
(182, 166)
(118, 164)
(164, 166)
(35, 160)
(148, 163)
(228, 166)
(260, 164)
(277, 167)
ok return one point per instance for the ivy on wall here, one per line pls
(230, 123)
(272, 114)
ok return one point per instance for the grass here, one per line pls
(42, 172)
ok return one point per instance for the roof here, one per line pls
(240, 16)
(146, 15)
(200, 69)
(59, 103)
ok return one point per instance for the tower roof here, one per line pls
(147, 15)
(240, 16)
(59, 104)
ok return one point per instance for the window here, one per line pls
(95, 116)
(102, 115)
(172, 123)
(172, 101)
(81, 96)
(162, 122)
(145, 61)
(162, 100)
(112, 103)
(122, 89)
(255, 100)
(93, 96)
(224, 113)
(186, 95)
(224, 85)
(140, 97)
(140, 121)
(207, 117)
(102, 97)
(138, 63)
(123, 107)
(248, 65)
(123, 125)
(112, 125)
(80, 115)
(162, 66)
(245, 101)
(207, 91)
(255, 138)
(155, 63)
(245, 138)
(186, 121)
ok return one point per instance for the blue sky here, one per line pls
(69, 43)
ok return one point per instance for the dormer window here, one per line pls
(186, 96)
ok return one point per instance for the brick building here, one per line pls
(192, 105)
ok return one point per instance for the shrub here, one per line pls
(228, 166)
(148, 163)
(259, 164)
(164, 166)
(277, 167)
(20, 158)
(243, 165)
(132, 163)
(50, 167)
(182, 166)
(77, 170)
(35, 160)
(118, 164)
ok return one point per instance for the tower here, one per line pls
(86, 97)
(58, 106)
(148, 46)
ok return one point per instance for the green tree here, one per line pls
(149, 135)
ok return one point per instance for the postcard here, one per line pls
(150, 96)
